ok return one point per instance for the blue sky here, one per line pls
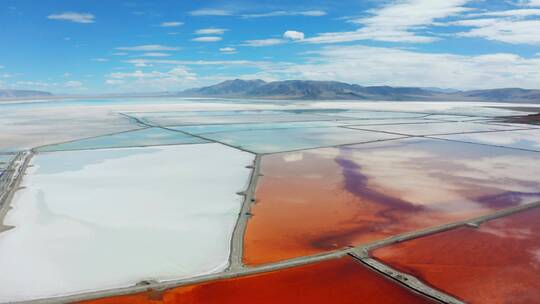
(135, 46)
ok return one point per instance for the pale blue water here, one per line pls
(208, 129)
(526, 139)
(278, 140)
(172, 120)
(376, 114)
(145, 137)
(424, 129)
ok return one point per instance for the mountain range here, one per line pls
(320, 90)
(22, 93)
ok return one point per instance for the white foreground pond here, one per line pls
(92, 220)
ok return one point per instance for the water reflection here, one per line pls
(331, 198)
(522, 139)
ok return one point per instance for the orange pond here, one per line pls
(320, 200)
(496, 263)
(337, 281)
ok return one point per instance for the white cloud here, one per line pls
(210, 31)
(310, 13)
(403, 15)
(392, 66)
(114, 81)
(227, 50)
(397, 21)
(503, 29)
(533, 3)
(33, 84)
(100, 59)
(293, 35)
(369, 34)
(120, 54)
(171, 24)
(174, 79)
(474, 22)
(149, 62)
(313, 13)
(73, 17)
(73, 84)
(211, 12)
(508, 13)
(155, 54)
(288, 35)
(207, 39)
(148, 48)
(263, 42)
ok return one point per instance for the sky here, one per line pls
(87, 47)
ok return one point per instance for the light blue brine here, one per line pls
(137, 138)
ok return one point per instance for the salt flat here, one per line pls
(101, 219)
(94, 220)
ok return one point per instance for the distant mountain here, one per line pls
(504, 94)
(305, 89)
(229, 87)
(22, 93)
(309, 89)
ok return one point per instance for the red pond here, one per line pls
(341, 281)
(496, 263)
(321, 200)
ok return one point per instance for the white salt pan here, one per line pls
(91, 220)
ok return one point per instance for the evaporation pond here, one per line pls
(522, 139)
(376, 114)
(340, 281)
(321, 200)
(270, 141)
(206, 129)
(100, 219)
(172, 120)
(436, 128)
(137, 138)
(495, 263)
